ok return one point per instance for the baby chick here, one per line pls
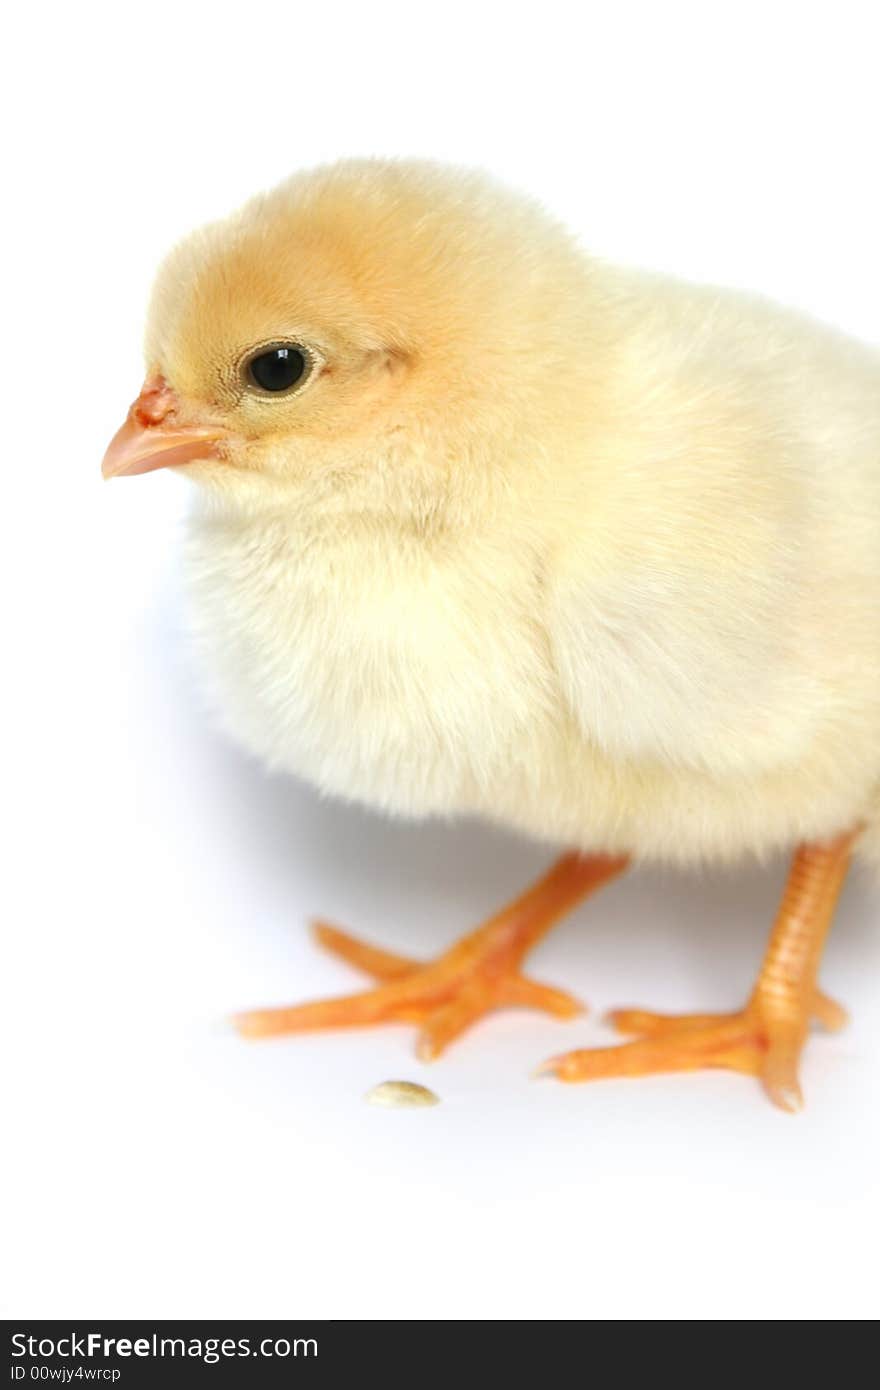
(483, 525)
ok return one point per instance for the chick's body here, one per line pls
(606, 568)
(589, 552)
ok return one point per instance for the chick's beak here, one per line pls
(150, 439)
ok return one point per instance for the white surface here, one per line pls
(155, 1165)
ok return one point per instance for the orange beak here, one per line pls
(150, 439)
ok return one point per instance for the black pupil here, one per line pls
(278, 369)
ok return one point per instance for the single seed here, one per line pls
(399, 1094)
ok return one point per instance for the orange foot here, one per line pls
(758, 1041)
(478, 974)
(765, 1038)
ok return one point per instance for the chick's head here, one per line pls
(372, 333)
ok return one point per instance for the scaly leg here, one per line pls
(766, 1037)
(481, 972)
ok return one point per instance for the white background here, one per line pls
(153, 1164)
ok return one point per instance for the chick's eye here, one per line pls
(277, 369)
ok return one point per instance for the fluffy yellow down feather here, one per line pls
(586, 551)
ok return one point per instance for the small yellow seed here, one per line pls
(399, 1094)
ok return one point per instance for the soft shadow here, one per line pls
(707, 922)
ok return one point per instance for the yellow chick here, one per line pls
(482, 525)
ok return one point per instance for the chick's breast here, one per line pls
(409, 681)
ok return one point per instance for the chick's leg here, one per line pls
(444, 997)
(765, 1038)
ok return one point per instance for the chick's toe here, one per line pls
(476, 975)
(764, 1039)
